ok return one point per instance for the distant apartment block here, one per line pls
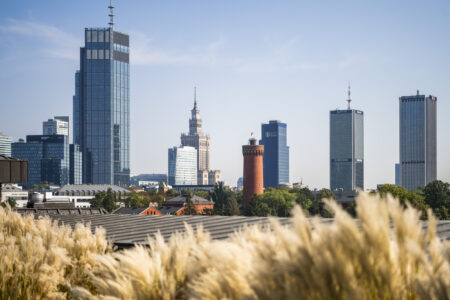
(182, 166)
(418, 162)
(5, 145)
(276, 153)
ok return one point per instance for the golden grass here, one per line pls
(384, 254)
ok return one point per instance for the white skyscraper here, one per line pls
(57, 125)
(182, 166)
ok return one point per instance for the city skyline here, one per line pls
(241, 94)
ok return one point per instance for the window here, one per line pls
(88, 36)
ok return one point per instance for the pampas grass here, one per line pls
(383, 254)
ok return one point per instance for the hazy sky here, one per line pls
(252, 61)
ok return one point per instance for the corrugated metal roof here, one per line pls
(61, 211)
(129, 210)
(127, 230)
(181, 199)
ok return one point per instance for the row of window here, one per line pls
(97, 54)
(94, 36)
(121, 48)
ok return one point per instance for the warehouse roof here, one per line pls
(89, 189)
(181, 199)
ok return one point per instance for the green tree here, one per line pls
(190, 207)
(396, 191)
(305, 198)
(106, 200)
(232, 207)
(437, 196)
(11, 201)
(257, 207)
(280, 201)
(318, 205)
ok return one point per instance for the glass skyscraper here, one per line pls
(76, 165)
(101, 106)
(276, 153)
(182, 166)
(417, 140)
(47, 156)
(346, 149)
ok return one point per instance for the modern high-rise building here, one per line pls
(182, 166)
(5, 145)
(418, 161)
(253, 170)
(397, 174)
(57, 125)
(346, 149)
(101, 106)
(195, 138)
(47, 156)
(76, 165)
(276, 153)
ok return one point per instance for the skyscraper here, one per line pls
(76, 165)
(182, 166)
(5, 145)
(57, 125)
(101, 106)
(195, 138)
(253, 170)
(347, 148)
(417, 140)
(48, 158)
(276, 153)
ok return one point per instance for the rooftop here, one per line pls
(182, 199)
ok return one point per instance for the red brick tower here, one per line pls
(253, 170)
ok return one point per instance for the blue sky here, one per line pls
(252, 61)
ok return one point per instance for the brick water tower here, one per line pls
(253, 170)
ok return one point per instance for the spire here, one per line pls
(195, 97)
(111, 14)
(349, 98)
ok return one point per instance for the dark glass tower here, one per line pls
(417, 140)
(101, 106)
(347, 149)
(276, 153)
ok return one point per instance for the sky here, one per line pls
(252, 61)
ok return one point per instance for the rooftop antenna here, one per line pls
(349, 98)
(195, 95)
(111, 14)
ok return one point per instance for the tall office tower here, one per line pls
(276, 153)
(57, 125)
(101, 106)
(347, 149)
(48, 158)
(76, 165)
(195, 138)
(417, 140)
(5, 145)
(253, 170)
(182, 166)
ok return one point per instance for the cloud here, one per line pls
(55, 42)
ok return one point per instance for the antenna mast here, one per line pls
(111, 14)
(349, 98)
(195, 95)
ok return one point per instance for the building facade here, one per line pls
(195, 138)
(397, 174)
(47, 156)
(276, 153)
(76, 165)
(346, 149)
(253, 170)
(418, 161)
(182, 166)
(101, 106)
(214, 177)
(5, 145)
(57, 125)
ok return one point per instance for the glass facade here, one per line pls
(5, 145)
(417, 141)
(76, 165)
(57, 125)
(346, 150)
(276, 153)
(101, 107)
(48, 158)
(182, 166)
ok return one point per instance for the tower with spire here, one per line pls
(200, 141)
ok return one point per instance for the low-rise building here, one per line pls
(82, 194)
(201, 205)
(15, 192)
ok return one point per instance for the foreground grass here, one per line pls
(364, 259)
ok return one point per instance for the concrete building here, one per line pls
(148, 177)
(214, 177)
(182, 166)
(5, 145)
(347, 149)
(82, 194)
(195, 138)
(47, 156)
(101, 106)
(15, 192)
(202, 177)
(57, 125)
(276, 153)
(253, 170)
(418, 161)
